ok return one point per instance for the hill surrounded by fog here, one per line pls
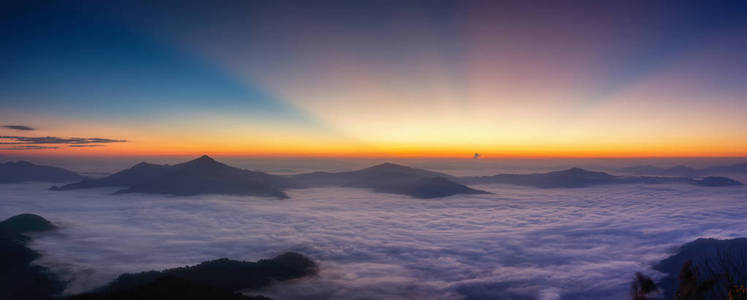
(576, 178)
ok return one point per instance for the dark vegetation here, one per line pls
(19, 279)
(169, 288)
(23, 171)
(217, 279)
(702, 269)
(642, 287)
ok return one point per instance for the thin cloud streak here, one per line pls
(23, 140)
(32, 147)
(18, 127)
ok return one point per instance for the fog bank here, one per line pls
(520, 242)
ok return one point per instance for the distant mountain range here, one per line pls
(575, 177)
(685, 170)
(23, 171)
(205, 175)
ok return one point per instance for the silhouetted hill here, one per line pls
(168, 288)
(686, 171)
(203, 175)
(23, 171)
(567, 178)
(216, 279)
(27, 223)
(18, 278)
(389, 178)
(722, 256)
(575, 177)
(716, 181)
(735, 168)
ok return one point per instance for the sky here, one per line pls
(374, 78)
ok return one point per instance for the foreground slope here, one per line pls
(203, 175)
(389, 178)
(718, 265)
(19, 278)
(217, 279)
(23, 171)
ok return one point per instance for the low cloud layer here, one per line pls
(518, 243)
(18, 127)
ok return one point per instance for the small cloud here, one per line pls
(33, 147)
(476, 156)
(18, 127)
(85, 146)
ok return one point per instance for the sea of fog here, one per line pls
(517, 243)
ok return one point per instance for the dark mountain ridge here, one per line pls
(216, 279)
(203, 175)
(226, 274)
(686, 171)
(23, 171)
(576, 177)
(389, 178)
(207, 176)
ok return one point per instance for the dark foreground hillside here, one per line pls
(217, 279)
(19, 279)
(703, 269)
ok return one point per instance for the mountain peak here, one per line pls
(205, 158)
(204, 163)
(388, 165)
(574, 170)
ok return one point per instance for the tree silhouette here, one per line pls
(689, 287)
(642, 286)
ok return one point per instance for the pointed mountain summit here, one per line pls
(202, 161)
(203, 175)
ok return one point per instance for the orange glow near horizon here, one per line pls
(502, 80)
